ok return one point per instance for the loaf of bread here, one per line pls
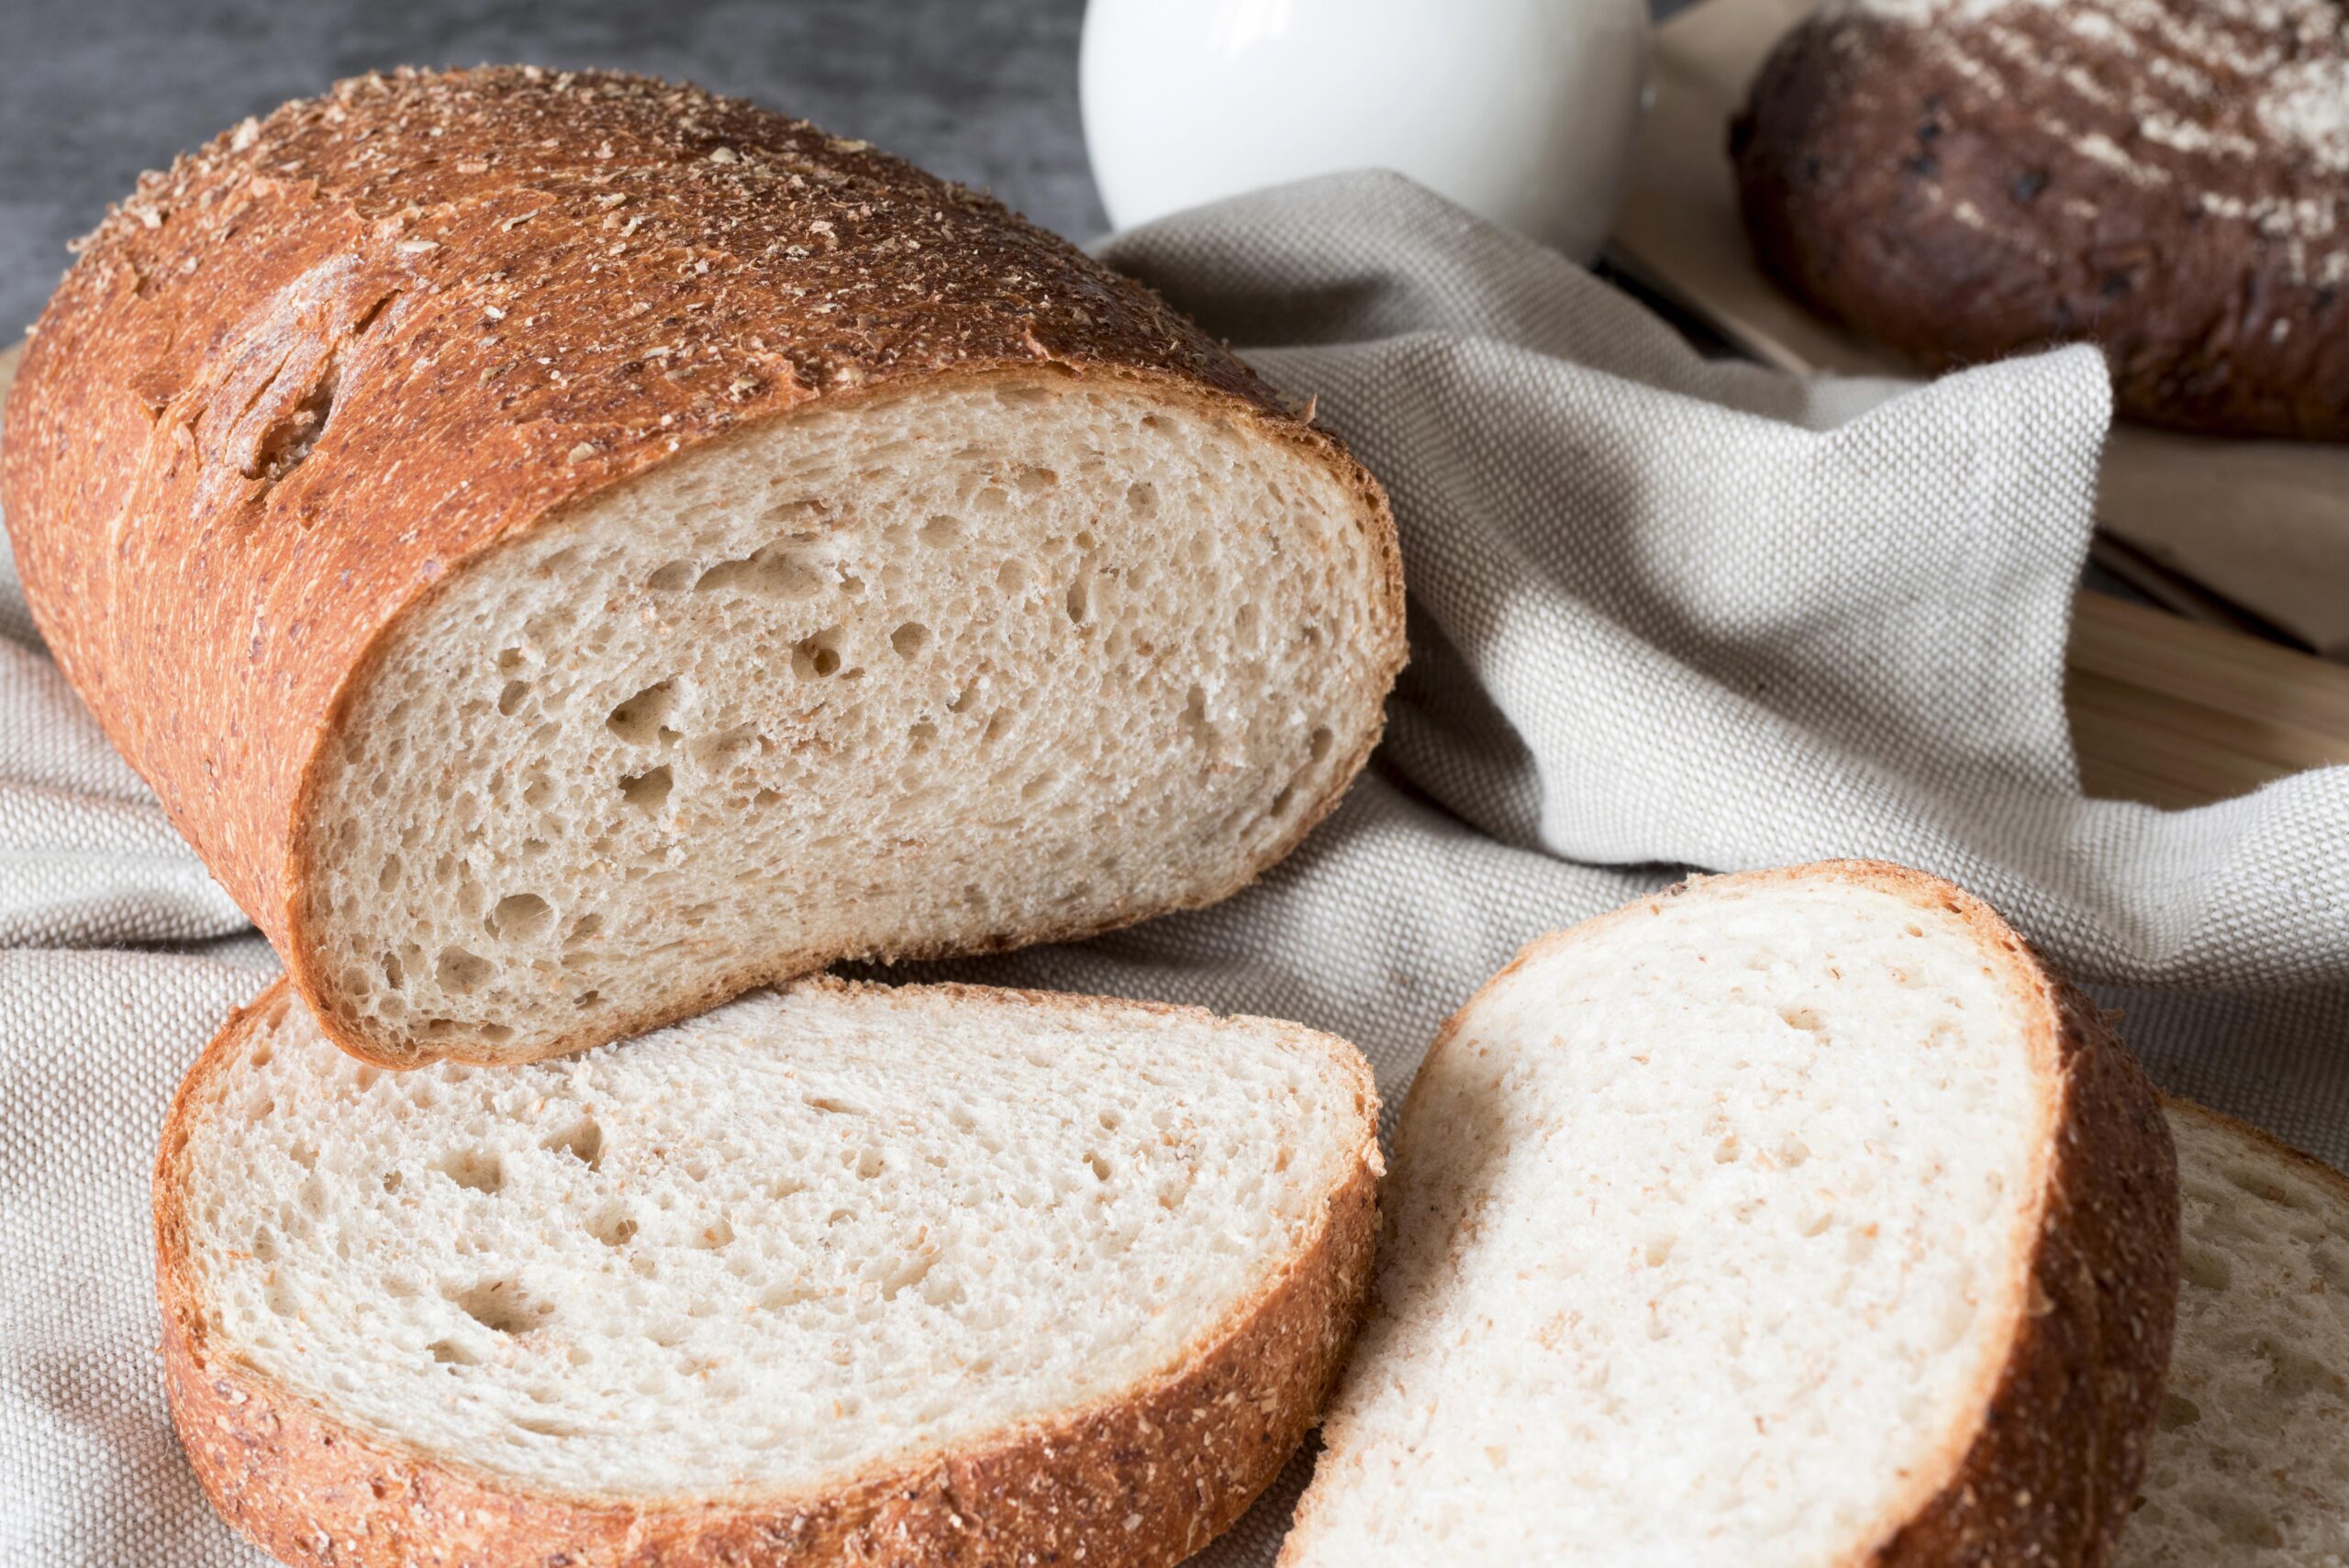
(1793, 1220)
(839, 1275)
(567, 549)
(2251, 1466)
(1964, 179)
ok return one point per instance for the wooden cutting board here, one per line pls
(2163, 711)
(2176, 714)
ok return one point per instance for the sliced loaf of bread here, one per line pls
(2251, 1466)
(567, 548)
(1793, 1219)
(839, 1274)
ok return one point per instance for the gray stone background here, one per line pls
(93, 91)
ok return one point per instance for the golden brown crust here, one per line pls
(2048, 1475)
(1137, 1482)
(2052, 1472)
(298, 381)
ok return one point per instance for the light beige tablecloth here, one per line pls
(1664, 614)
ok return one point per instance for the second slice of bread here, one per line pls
(2251, 1466)
(1793, 1220)
(843, 1274)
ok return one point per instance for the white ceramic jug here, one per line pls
(1523, 110)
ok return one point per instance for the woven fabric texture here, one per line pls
(1666, 613)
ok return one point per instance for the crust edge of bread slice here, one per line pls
(1145, 1477)
(2267, 1144)
(2049, 1475)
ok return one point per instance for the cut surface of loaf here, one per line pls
(1014, 658)
(1793, 1220)
(567, 548)
(2251, 1466)
(940, 1273)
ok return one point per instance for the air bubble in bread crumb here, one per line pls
(646, 791)
(519, 917)
(639, 719)
(475, 1170)
(460, 971)
(582, 1139)
(502, 1306)
(818, 656)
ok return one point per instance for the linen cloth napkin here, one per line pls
(1664, 614)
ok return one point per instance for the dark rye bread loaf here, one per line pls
(567, 548)
(1963, 179)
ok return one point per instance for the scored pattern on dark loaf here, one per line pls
(1965, 179)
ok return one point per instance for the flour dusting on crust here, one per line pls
(1962, 180)
(2220, 81)
(2292, 56)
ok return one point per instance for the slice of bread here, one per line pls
(567, 549)
(1792, 1219)
(838, 1275)
(2251, 1466)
